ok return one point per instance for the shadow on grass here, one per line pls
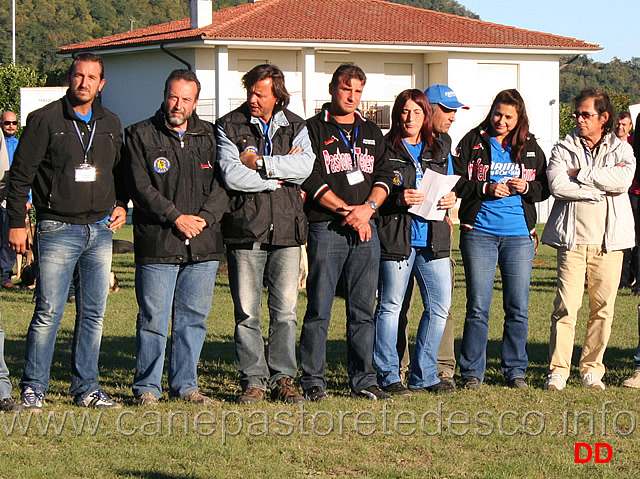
(152, 475)
(219, 377)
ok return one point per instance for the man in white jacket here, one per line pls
(590, 224)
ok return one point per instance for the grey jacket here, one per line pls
(599, 180)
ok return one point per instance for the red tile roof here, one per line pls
(340, 21)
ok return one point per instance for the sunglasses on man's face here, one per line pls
(584, 114)
(7, 123)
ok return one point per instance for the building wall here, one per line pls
(135, 93)
(135, 82)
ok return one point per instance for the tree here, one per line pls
(12, 78)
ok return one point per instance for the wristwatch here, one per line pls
(259, 163)
(373, 204)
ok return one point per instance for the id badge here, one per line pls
(354, 177)
(85, 173)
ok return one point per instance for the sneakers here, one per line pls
(471, 382)
(315, 394)
(32, 399)
(285, 392)
(147, 399)
(374, 393)
(633, 381)
(397, 390)
(196, 397)
(555, 382)
(592, 381)
(97, 399)
(9, 405)
(517, 383)
(8, 285)
(251, 395)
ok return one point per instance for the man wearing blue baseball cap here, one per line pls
(444, 103)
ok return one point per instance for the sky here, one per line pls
(612, 25)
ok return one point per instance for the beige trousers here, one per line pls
(602, 272)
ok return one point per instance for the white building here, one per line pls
(398, 46)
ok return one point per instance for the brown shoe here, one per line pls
(285, 392)
(251, 395)
(9, 405)
(196, 397)
(147, 399)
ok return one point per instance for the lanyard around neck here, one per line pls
(85, 149)
(351, 146)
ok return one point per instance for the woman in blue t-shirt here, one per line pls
(409, 242)
(503, 175)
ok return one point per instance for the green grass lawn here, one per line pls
(492, 432)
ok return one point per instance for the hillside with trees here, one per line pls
(44, 25)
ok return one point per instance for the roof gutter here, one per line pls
(173, 55)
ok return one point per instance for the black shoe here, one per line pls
(442, 387)
(471, 382)
(372, 392)
(517, 383)
(398, 390)
(315, 394)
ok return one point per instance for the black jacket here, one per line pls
(472, 162)
(394, 223)
(171, 176)
(46, 158)
(333, 162)
(270, 217)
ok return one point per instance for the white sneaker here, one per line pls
(555, 382)
(592, 381)
(633, 381)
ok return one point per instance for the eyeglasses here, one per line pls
(7, 123)
(584, 114)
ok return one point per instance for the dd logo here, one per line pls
(598, 447)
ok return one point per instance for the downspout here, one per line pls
(173, 55)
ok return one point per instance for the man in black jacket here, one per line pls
(264, 155)
(351, 177)
(67, 155)
(178, 205)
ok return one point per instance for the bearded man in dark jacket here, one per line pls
(178, 206)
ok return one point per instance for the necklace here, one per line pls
(347, 133)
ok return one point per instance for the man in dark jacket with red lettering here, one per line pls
(351, 177)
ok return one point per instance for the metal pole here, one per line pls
(13, 32)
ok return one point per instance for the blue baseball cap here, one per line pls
(443, 95)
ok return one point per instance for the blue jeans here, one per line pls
(481, 252)
(5, 384)
(60, 247)
(7, 255)
(248, 268)
(334, 251)
(182, 293)
(434, 279)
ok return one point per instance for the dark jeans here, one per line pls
(7, 255)
(333, 251)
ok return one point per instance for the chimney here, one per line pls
(201, 13)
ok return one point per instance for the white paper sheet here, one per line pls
(433, 186)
